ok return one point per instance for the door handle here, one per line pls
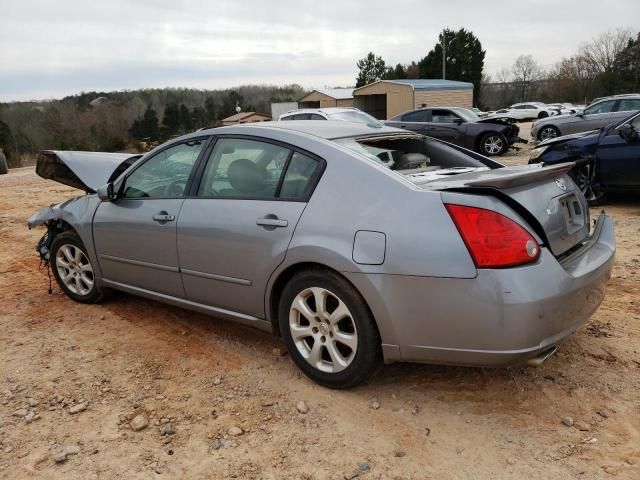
(271, 221)
(163, 217)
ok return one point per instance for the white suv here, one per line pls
(333, 113)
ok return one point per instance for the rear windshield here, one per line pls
(354, 116)
(410, 152)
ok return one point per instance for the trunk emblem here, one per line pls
(561, 185)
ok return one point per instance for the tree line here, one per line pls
(114, 121)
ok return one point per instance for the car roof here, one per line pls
(322, 110)
(318, 128)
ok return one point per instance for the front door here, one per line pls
(619, 160)
(135, 235)
(445, 125)
(236, 228)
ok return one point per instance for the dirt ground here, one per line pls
(73, 377)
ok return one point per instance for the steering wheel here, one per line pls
(175, 188)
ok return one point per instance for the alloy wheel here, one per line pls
(74, 269)
(323, 329)
(493, 145)
(548, 132)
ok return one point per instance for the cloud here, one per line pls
(49, 49)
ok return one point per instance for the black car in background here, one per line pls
(461, 126)
(607, 160)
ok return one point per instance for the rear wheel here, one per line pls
(547, 132)
(328, 329)
(492, 144)
(72, 269)
(543, 115)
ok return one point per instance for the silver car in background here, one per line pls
(336, 114)
(597, 115)
(357, 245)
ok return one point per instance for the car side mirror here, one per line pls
(106, 193)
(629, 133)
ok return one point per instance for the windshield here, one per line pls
(354, 116)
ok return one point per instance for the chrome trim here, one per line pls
(212, 276)
(242, 318)
(139, 263)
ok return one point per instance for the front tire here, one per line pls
(547, 132)
(583, 177)
(492, 144)
(328, 329)
(72, 269)
(543, 115)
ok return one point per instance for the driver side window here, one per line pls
(602, 107)
(165, 174)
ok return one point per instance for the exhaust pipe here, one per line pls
(541, 357)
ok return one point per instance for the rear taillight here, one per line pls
(493, 240)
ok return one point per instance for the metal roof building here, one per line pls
(328, 97)
(386, 98)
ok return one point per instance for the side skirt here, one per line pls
(241, 318)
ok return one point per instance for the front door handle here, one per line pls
(271, 221)
(163, 217)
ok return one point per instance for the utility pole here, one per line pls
(444, 55)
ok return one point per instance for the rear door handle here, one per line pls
(271, 221)
(163, 217)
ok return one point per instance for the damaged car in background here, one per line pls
(606, 160)
(461, 126)
(357, 245)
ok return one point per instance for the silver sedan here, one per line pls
(358, 245)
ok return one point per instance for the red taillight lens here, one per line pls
(493, 240)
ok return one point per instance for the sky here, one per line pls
(50, 49)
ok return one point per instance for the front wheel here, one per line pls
(584, 178)
(547, 132)
(492, 144)
(328, 329)
(72, 269)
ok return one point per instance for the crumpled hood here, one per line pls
(501, 119)
(566, 138)
(83, 170)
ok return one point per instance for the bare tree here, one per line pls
(504, 76)
(600, 53)
(525, 71)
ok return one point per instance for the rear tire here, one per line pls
(72, 269)
(493, 144)
(328, 329)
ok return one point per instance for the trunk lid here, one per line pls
(544, 196)
(83, 170)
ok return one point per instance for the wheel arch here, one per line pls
(282, 278)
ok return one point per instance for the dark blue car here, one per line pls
(607, 160)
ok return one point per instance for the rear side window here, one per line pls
(418, 116)
(299, 175)
(315, 116)
(251, 169)
(629, 104)
(240, 168)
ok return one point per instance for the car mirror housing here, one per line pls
(106, 192)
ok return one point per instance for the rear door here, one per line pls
(235, 228)
(416, 121)
(135, 235)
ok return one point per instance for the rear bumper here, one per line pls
(500, 318)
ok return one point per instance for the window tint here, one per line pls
(418, 116)
(302, 116)
(443, 116)
(242, 168)
(165, 174)
(298, 177)
(602, 107)
(290, 117)
(315, 116)
(629, 104)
